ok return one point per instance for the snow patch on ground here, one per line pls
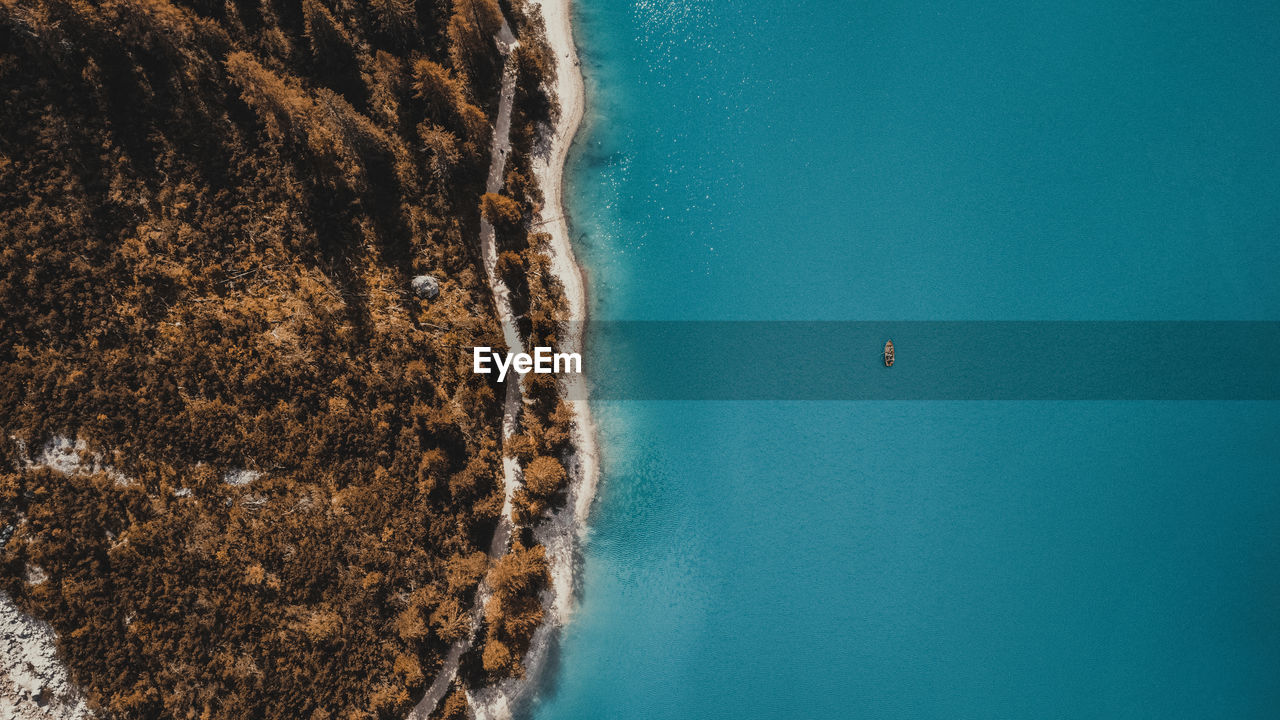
(33, 683)
(240, 476)
(36, 575)
(69, 457)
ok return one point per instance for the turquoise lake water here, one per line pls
(893, 161)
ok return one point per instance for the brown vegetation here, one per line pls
(209, 213)
(514, 610)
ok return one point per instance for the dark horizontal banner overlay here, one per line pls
(934, 361)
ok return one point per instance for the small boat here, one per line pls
(888, 354)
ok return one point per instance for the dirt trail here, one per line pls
(511, 473)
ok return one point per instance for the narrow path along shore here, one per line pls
(560, 534)
(500, 148)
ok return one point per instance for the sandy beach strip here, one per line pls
(561, 534)
(549, 171)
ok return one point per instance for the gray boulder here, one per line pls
(425, 286)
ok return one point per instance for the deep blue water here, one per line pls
(929, 161)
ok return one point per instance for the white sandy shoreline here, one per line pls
(550, 169)
(553, 218)
(560, 535)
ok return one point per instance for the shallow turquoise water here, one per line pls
(929, 161)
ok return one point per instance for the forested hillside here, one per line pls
(210, 214)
